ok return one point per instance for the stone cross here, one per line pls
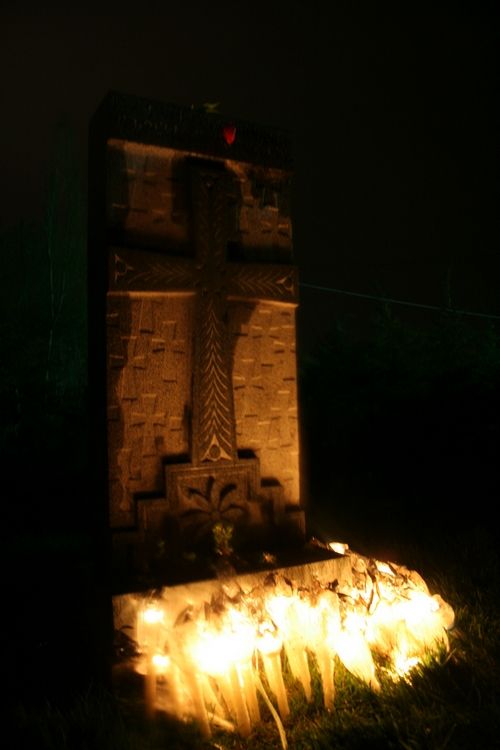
(199, 301)
(214, 281)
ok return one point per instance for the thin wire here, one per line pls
(398, 301)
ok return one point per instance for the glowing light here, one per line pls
(151, 629)
(383, 567)
(210, 654)
(354, 653)
(152, 615)
(278, 607)
(403, 664)
(291, 615)
(339, 547)
(161, 663)
(229, 133)
(209, 665)
(269, 644)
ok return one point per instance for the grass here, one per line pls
(452, 702)
(404, 430)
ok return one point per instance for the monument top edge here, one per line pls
(190, 129)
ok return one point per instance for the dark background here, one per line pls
(393, 115)
(394, 124)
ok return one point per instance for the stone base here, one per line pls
(177, 598)
(171, 530)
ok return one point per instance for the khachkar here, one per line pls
(192, 326)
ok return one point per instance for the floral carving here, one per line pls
(217, 503)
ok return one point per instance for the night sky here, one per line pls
(392, 116)
(394, 124)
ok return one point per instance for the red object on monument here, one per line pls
(229, 132)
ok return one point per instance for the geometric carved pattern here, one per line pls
(264, 217)
(265, 387)
(147, 418)
(215, 280)
(201, 294)
(215, 438)
(213, 415)
(201, 353)
(262, 281)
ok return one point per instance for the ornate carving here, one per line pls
(142, 270)
(216, 502)
(213, 416)
(264, 379)
(146, 413)
(148, 420)
(262, 282)
(174, 351)
(200, 496)
(157, 352)
(213, 429)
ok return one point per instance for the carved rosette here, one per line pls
(201, 496)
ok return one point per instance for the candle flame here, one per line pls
(153, 615)
(385, 611)
(339, 547)
(161, 663)
(269, 642)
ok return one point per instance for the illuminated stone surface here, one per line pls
(378, 619)
(193, 298)
(190, 247)
(197, 593)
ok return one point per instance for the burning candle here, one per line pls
(199, 708)
(409, 625)
(339, 547)
(239, 642)
(284, 613)
(215, 708)
(166, 668)
(186, 660)
(300, 668)
(150, 636)
(150, 688)
(156, 664)
(224, 653)
(354, 652)
(246, 677)
(325, 665)
(240, 707)
(150, 628)
(421, 613)
(270, 646)
(209, 656)
(323, 621)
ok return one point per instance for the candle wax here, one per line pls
(272, 668)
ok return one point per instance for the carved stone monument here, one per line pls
(192, 328)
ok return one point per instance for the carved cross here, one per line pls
(214, 280)
(148, 420)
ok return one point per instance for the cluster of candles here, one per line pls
(212, 663)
